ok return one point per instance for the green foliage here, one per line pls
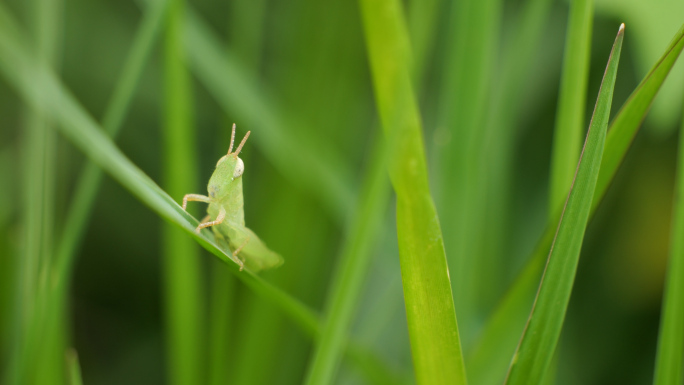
(670, 351)
(540, 337)
(455, 98)
(184, 302)
(496, 343)
(435, 343)
(571, 103)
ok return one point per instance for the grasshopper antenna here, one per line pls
(232, 140)
(237, 151)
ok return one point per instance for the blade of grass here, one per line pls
(349, 276)
(540, 337)
(519, 51)
(567, 136)
(490, 356)
(465, 97)
(91, 176)
(41, 348)
(38, 86)
(182, 270)
(423, 19)
(633, 112)
(73, 368)
(433, 330)
(221, 322)
(89, 179)
(670, 352)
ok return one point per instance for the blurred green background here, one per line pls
(307, 59)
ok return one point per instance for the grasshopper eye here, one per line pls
(239, 168)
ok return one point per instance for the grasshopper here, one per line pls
(226, 206)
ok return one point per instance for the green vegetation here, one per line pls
(417, 164)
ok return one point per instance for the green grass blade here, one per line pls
(73, 368)
(539, 340)
(465, 97)
(349, 277)
(184, 292)
(38, 86)
(89, 180)
(491, 353)
(567, 136)
(670, 352)
(41, 338)
(221, 323)
(628, 120)
(423, 17)
(433, 330)
(514, 73)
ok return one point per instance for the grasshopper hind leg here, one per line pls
(225, 246)
(236, 256)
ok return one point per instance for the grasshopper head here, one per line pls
(228, 170)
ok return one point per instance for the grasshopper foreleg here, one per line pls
(195, 198)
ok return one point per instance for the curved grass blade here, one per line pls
(89, 179)
(567, 137)
(491, 353)
(540, 337)
(433, 330)
(55, 296)
(40, 87)
(670, 353)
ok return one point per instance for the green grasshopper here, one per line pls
(226, 205)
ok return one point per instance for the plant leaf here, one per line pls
(567, 136)
(491, 354)
(348, 278)
(184, 290)
(539, 339)
(40, 88)
(670, 353)
(433, 330)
